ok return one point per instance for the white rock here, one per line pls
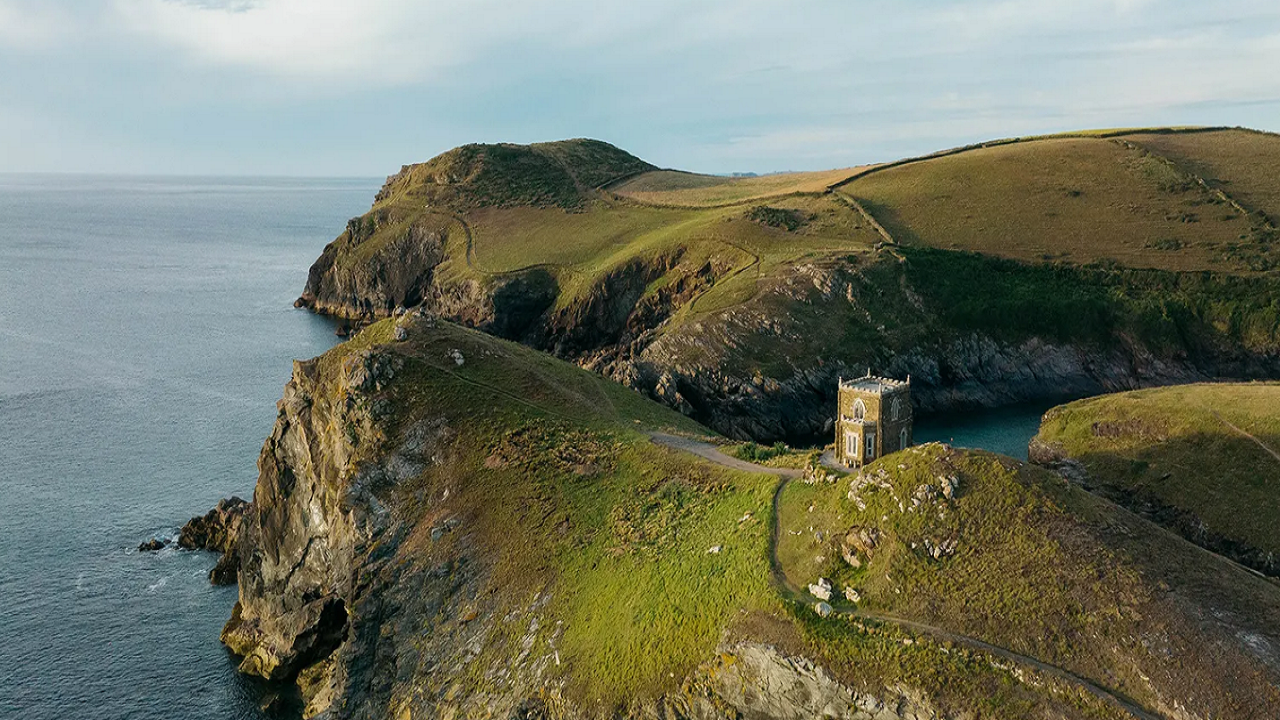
(456, 354)
(823, 609)
(851, 595)
(820, 592)
(714, 550)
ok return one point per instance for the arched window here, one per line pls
(895, 409)
(903, 439)
(859, 410)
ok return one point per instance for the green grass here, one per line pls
(1175, 449)
(567, 497)
(588, 248)
(1241, 163)
(670, 187)
(1038, 567)
(557, 174)
(1078, 200)
(645, 597)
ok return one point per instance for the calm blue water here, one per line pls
(146, 331)
(1004, 430)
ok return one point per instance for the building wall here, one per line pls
(888, 431)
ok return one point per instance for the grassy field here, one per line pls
(1241, 163)
(1201, 458)
(1032, 564)
(605, 237)
(1077, 200)
(672, 187)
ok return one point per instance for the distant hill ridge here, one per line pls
(561, 173)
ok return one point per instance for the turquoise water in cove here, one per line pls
(146, 331)
(1004, 430)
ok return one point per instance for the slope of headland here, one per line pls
(1026, 269)
(1202, 460)
(447, 524)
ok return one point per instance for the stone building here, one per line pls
(873, 419)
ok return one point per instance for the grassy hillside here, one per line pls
(985, 546)
(1201, 459)
(544, 547)
(561, 174)
(1240, 163)
(1077, 200)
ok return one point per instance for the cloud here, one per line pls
(29, 26)
(724, 84)
(380, 42)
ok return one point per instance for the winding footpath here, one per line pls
(711, 453)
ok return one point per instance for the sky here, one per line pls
(361, 87)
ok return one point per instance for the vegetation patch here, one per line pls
(1199, 459)
(789, 220)
(669, 187)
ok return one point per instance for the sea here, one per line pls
(146, 332)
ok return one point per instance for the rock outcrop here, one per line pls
(218, 531)
(758, 681)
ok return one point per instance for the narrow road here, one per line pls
(711, 453)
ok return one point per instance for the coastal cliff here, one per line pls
(450, 525)
(374, 575)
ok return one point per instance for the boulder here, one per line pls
(153, 545)
(215, 530)
(821, 589)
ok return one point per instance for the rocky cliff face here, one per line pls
(396, 273)
(768, 369)
(218, 531)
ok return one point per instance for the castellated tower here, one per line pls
(874, 419)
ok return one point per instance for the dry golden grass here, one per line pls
(1241, 163)
(670, 187)
(1078, 200)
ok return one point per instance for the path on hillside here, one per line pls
(1246, 433)
(710, 452)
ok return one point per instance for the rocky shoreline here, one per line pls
(216, 531)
